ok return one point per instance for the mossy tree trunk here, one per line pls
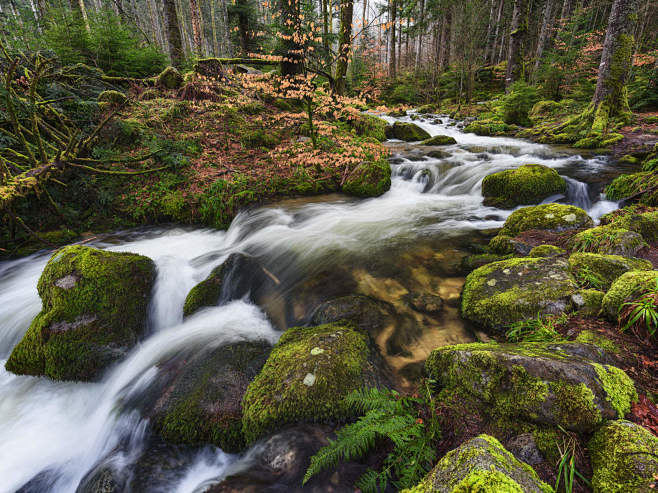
(196, 26)
(519, 29)
(344, 44)
(173, 33)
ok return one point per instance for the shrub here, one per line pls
(518, 103)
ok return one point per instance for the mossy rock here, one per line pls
(501, 293)
(406, 131)
(624, 458)
(626, 288)
(587, 302)
(95, 306)
(206, 293)
(528, 184)
(439, 140)
(546, 217)
(608, 240)
(645, 224)
(111, 98)
(625, 186)
(546, 251)
(567, 384)
(306, 377)
(591, 337)
(397, 113)
(438, 154)
(369, 179)
(506, 245)
(366, 313)
(203, 402)
(472, 262)
(600, 271)
(481, 465)
(169, 78)
(478, 129)
(370, 126)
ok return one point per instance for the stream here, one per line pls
(410, 240)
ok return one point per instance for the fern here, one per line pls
(390, 416)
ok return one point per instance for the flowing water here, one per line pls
(411, 239)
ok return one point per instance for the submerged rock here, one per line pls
(501, 293)
(624, 458)
(626, 288)
(307, 375)
(528, 184)
(406, 131)
(203, 401)
(94, 310)
(366, 313)
(565, 384)
(600, 271)
(482, 464)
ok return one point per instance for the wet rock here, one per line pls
(482, 464)
(626, 288)
(439, 140)
(608, 240)
(397, 113)
(587, 302)
(501, 293)
(406, 131)
(366, 313)
(547, 217)
(95, 306)
(307, 375)
(624, 458)
(438, 154)
(201, 402)
(566, 384)
(525, 449)
(426, 303)
(370, 179)
(528, 184)
(102, 480)
(506, 245)
(473, 262)
(600, 271)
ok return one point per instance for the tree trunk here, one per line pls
(392, 15)
(292, 63)
(213, 27)
(79, 5)
(326, 11)
(364, 23)
(421, 20)
(490, 30)
(544, 34)
(616, 60)
(196, 27)
(518, 31)
(226, 38)
(173, 34)
(243, 27)
(443, 44)
(493, 58)
(344, 44)
(567, 7)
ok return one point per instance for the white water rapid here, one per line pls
(52, 434)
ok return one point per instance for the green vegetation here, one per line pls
(528, 184)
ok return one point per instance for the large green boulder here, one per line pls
(528, 184)
(626, 288)
(439, 140)
(565, 384)
(202, 401)
(600, 271)
(95, 307)
(406, 131)
(624, 459)
(307, 375)
(369, 179)
(501, 293)
(547, 217)
(646, 224)
(481, 465)
(367, 125)
(608, 240)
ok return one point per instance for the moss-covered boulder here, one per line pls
(626, 288)
(645, 224)
(367, 125)
(566, 384)
(506, 245)
(501, 293)
(366, 313)
(397, 113)
(439, 140)
(599, 340)
(472, 262)
(624, 458)
(369, 179)
(546, 217)
(108, 99)
(169, 78)
(202, 403)
(481, 465)
(406, 131)
(528, 184)
(587, 302)
(94, 310)
(608, 240)
(546, 251)
(306, 377)
(600, 271)
(626, 186)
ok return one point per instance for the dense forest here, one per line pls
(328, 246)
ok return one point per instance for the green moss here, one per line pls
(472, 262)
(645, 224)
(574, 405)
(627, 287)
(370, 126)
(591, 337)
(528, 184)
(549, 217)
(619, 388)
(439, 140)
(502, 245)
(253, 139)
(169, 78)
(623, 457)
(600, 271)
(588, 301)
(94, 309)
(546, 251)
(607, 239)
(206, 293)
(369, 179)
(111, 98)
(625, 186)
(487, 482)
(306, 377)
(406, 131)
